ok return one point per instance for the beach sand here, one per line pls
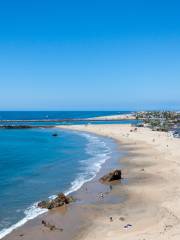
(115, 117)
(152, 209)
(146, 205)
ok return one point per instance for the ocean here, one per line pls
(41, 115)
(34, 165)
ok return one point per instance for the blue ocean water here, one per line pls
(40, 115)
(53, 118)
(34, 165)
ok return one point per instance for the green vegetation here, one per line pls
(159, 120)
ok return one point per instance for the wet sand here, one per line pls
(152, 206)
(71, 221)
(145, 205)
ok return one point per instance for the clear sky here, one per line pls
(89, 55)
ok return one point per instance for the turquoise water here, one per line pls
(41, 115)
(43, 118)
(34, 165)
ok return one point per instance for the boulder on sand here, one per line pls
(112, 176)
(59, 201)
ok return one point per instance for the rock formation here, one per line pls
(112, 176)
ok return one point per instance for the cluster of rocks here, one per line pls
(112, 176)
(59, 201)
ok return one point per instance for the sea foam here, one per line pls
(99, 153)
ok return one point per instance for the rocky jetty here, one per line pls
(16, 126)
(59, 201)
(25, 126)
(112, 176)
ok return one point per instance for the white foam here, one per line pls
(30, 213)
(90, 166)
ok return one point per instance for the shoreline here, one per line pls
(128, 116)
(75, 188)
(150, 208)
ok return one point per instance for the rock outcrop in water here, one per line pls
(54, 134)
(112, 176)
(59, 201)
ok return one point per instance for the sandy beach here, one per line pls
(144, 206)
(153, 172)
(90, 120)
(115, 117)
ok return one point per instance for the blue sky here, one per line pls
(89, 55)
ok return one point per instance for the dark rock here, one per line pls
(24, 126)
(16, 126)
(54, 134)
(112, 176)
(59, 201)
(42, 204)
